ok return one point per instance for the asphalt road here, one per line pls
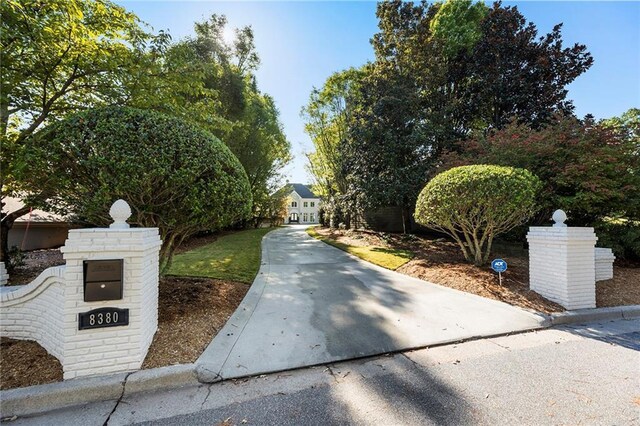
(568, 375)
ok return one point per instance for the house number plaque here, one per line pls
(103, 317)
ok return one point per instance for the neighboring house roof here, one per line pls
(13, 204)
(302, 190)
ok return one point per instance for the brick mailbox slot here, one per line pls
(99, 312)
(102, 280)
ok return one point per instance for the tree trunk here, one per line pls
(488, 250)
(5, 225)
(406, 220)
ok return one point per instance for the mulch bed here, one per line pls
(26, 363)
(441, 262)
(191, 312)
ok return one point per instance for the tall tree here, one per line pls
(209, 80)
(442, 73)
(399, 119)
(57, 56)
(512, 72)
(457, 25)
(260, 144)
(327, 117)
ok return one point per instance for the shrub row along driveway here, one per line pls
(312, 303)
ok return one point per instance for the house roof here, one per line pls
(12, 204)
(302, 190)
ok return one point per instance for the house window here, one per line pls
(313, 204)
(294, 204)
(305, 204)
(305, 217)
(312, 217)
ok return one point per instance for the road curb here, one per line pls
(595, 314)
(156, 379)
(53, 396)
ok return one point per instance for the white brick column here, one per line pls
(4, 276)
(562, 263)
(121, 348)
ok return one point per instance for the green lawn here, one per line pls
(234, 257)
(381, 256)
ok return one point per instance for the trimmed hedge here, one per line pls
(621, 235)
(474, 204)
(175, 176)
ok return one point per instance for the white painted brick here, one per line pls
(48, 310)
(562, 265)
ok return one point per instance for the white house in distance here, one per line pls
(302, 205)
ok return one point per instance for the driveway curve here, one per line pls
(313, 304)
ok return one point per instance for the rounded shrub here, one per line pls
(474, 204)
(175, 176)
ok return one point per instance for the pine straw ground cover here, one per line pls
(191, 312)
(440, 261)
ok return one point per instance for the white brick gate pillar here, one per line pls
(110, 348)
(4, 276)
(562, 263)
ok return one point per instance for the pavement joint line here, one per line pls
(115, 407)
(415, 364)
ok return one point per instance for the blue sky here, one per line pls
(302, 43)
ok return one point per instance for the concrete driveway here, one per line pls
(311, 304)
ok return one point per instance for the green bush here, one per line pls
(622, 236)
(174, 175)
(588, 170)
(474, 204)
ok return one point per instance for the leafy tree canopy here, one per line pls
(58, 57)
(457, 25)
(588, 169)
(63, 56)
(442, 73)
(174, 175)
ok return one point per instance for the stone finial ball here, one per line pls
(120, 212)
(559, 217)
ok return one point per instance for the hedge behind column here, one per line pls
(175, 176)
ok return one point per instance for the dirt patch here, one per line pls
(191, 312)
(623, 289)
(26, 363)
(440, 261)
(356, 238)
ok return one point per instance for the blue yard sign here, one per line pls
(499, 266)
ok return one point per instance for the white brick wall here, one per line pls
(34, 311)
(562, 265)
(604, 263)
(47, 309)
(4, 276)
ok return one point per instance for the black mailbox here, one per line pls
(102, 280)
